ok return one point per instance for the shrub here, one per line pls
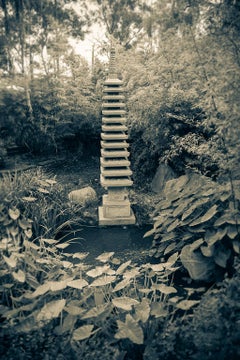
(210, 332)
(35, 198)
(167, 126)
(63, 113)
(199, 219)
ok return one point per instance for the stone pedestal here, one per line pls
(115, 166)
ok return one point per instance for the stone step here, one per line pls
(114, 120)
(111, 89)
(113, 82)
(115, 182)
(113, 105)
(114, 136)
(114, 163)
(113, 97)
(115, 173)
(114, 154)
(113, 112)
(114, 128)
(114, 145)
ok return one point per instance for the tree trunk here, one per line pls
(7, 35)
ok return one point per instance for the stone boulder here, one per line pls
(163, 174)
(199, 267)
(85, 196)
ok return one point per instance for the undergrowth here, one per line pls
(54, 301)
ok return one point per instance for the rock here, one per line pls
(163, 174)
(85, 196)
(198, 266)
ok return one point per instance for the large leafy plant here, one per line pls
(198, 219)
(47, 288)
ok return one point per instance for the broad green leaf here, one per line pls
(49, 241)
(122, 267)
(232, 231)
(41, 290)
(83, 332)
(98, 271)
(130, 329)
(186, 304)
(14, 213)
(28, 233)
(51, 181)
(95, 311)
(124, 302)
(77, 284)
(74, 310)
(221, 256)
(10, 261)
(43, 261)
(168, 236)
(145, 290)
(80, 256)
(211, 236)
(62, 246)
(142, 311)
(20, 276)
(43, 183)
(170, 248)
(24, 224)
(104, 257)
(158, 267)
(209, 215)
(149, 233)
(51, 310)
(173, 226)
(171, 260)
(179, 210)
(165, 289)
(194, 206)
(57, 285)
(29, 198)
(30, 244)
(129, 274)
(67, 264)
(160, 220)
(103, 280)
(207, 251)
(122, 284)
(42, 190)
(236, 246)
(196, 244)
(158, 309)
(115, 261)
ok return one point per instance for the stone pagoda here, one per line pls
(115, 165)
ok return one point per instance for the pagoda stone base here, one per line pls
(116, 220)
(116, 208)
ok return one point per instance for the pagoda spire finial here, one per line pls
(112, 63)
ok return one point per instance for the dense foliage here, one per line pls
(59, 302)
(198, 219)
